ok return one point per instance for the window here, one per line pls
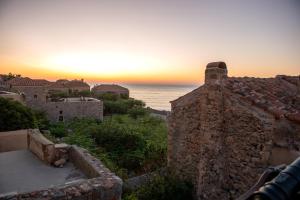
(35, 96)
(60, 112)
(61, 118)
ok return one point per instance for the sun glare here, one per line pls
(102, 63)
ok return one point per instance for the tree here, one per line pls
(9, 76)
(14, 116)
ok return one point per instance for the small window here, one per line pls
(61, 118)
(60, 112)
(35, 96)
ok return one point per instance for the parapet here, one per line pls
(32, 167)
(215, 72)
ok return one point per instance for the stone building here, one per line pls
(67, 86)
(3, 84)
(69, 108)
(12, 96)
(34, 90)
(110, 89)
(35, 93)
(225, 133)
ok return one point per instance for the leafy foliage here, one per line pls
(15, 115)
(135, 112)
(125, 144)
(163, 188)
(9, 76)
(42, 121)
(121, 106)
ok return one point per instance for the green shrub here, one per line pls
(165, 188)
(125, 145)
(84, 93)
(121, 106)
(136, 112)
(58, 129)
(14, 116)
(108, 97)
(42, 121)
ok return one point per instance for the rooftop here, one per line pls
(109, 87)
(79, 99)
(279, 96)
(7, 93)
(32, 167)
(25, 81)
(17, 167)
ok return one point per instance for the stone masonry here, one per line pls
(225, 133)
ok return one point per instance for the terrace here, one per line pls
(33, 167)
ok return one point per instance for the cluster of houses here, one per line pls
(36, 93)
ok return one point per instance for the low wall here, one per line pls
(69, 110)
(101, 185)
(13, 140)
(40, 146)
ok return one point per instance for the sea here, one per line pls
(158, 96)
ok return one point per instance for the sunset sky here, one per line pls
(153, 41)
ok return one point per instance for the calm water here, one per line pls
(158, 96)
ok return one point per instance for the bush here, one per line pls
(58, 129)
(164, 188)
(136, 112)
(108, 97)
(42, 121)
(121, 106)
(14, 116)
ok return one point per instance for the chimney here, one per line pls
(215, 72)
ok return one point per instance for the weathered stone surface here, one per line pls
(225, 133)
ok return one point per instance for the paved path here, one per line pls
(22, 171)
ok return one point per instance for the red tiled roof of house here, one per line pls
(110, 87)
(76, 83)
(25, 81)
(279, 96)
(62, 83)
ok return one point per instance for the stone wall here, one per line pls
(13, 140)
(41, 147)
(222, 143)
(34, 95)
(12, 96)
(70, 110)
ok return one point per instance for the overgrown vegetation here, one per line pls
(128, 146)
(14, 116)
(162, 188)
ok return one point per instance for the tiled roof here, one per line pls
(110, 87)
(76, 83)
(279, 96)
(68, 84)
(57, 85)
(25, 81)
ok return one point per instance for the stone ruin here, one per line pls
(224, 134)
(32, 167)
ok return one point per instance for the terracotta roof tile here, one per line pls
(25, 81)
